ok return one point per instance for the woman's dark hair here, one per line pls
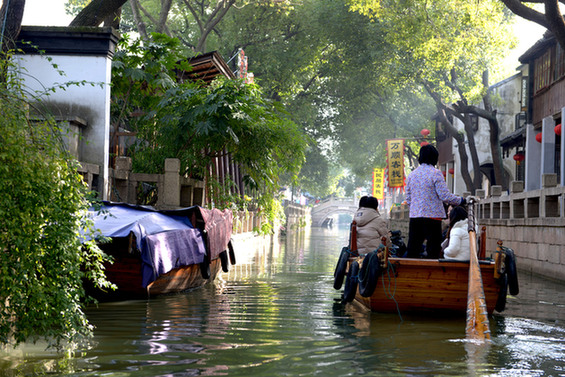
(369, 202)
(457, 214)
(428, 155)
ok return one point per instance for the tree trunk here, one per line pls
(141, 27)
(477, 175)
(96, 12)
(163, 14)
(208, 21)
(460, 139)
(454, 133)
(499, 174)
(552, 19)
(12, 13)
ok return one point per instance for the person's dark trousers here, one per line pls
(420, 229)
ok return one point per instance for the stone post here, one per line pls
(495, 190)
(120, 180)
(549, 180)
(171, 189)
(516, 187)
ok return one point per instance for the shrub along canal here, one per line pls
(276, 313)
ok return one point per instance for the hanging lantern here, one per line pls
(425, 132)
(423, 143)
(557, 129)
(519, 157)
(538, 137)
(451, 171)
(444, 173)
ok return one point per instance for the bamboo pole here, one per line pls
(477, 316)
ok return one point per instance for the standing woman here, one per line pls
(426, 193)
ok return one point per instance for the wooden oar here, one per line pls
(477, 315)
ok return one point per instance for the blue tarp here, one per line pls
(165, 241)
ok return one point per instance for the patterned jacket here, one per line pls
(426, 191)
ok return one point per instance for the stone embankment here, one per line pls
(532, 223)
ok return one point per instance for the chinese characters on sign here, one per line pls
(395, 162)
(378, 183)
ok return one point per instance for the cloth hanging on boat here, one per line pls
(219, 226)
(166, 251)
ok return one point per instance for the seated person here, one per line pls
(370, 225)
(456, 246)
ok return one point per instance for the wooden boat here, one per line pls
(424, 285)
(389, 284)
(159, 252)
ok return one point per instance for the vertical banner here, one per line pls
(378, 183)
(242, 64)
(247, 76)
(395, 162)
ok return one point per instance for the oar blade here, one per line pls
(477, 314)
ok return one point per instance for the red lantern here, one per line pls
(519, 157)
(425, 132)
(538, 137)
(451, 171)
(443, 172)
(423, 143)
(557, 129)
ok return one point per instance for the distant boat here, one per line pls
(159, 252)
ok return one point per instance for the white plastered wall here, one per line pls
(87, 101)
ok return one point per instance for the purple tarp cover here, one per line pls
(169, 250)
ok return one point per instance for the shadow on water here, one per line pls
(276, 313)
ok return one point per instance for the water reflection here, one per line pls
(276, 314)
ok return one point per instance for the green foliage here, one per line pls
(73, 7)
(434, 39)
(351, 80)
(43, 205)
(196, 123)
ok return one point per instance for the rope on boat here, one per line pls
(386, 288)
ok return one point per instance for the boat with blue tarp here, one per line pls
(162, 251)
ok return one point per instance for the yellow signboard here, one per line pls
(378, 183)
(395, 162)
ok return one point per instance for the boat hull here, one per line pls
(126, 275)
(427, 285)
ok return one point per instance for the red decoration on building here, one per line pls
(538, 137)
(451, 171)
(425, 132)
(557, 129)
(519, 157)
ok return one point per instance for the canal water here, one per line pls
(276, 314)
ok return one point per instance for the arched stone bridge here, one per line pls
(332, 206)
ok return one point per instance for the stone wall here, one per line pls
(532, 223)
(399, 216)
(297, 216)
